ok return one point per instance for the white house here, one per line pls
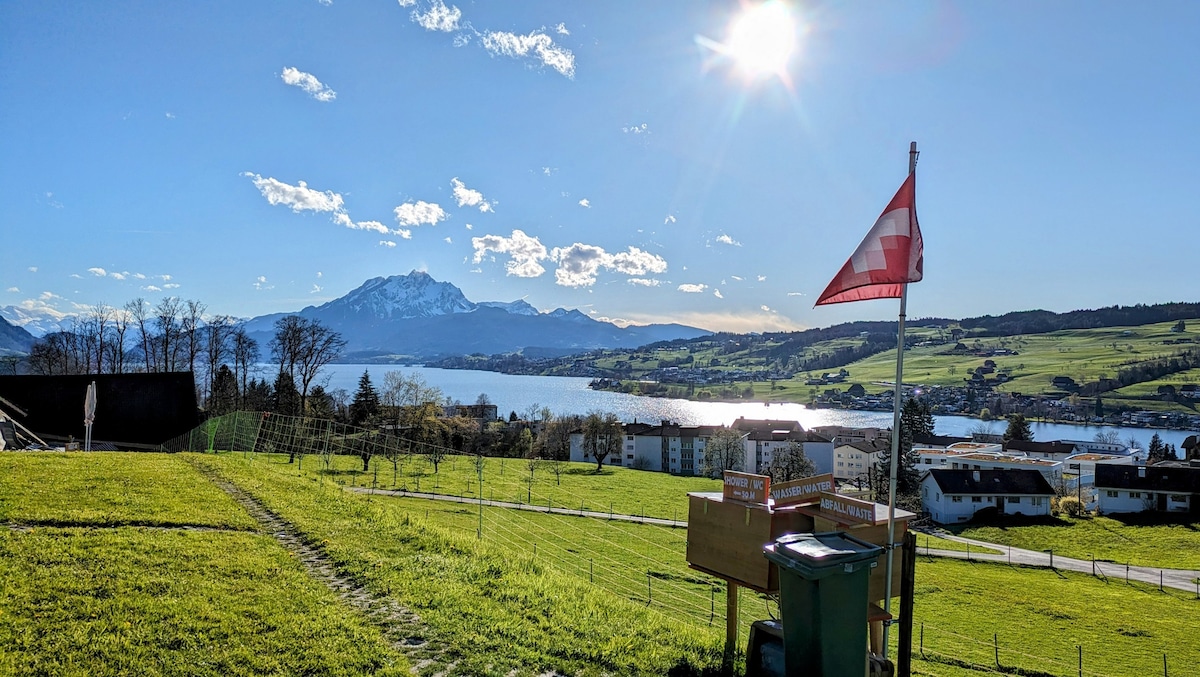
(1171, 486)
(1083, 466)
(952, 496)
(854, 459)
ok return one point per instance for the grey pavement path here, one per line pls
(618, 517)
(1179, 579)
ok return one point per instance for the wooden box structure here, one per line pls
(726, 538)
(871, 528)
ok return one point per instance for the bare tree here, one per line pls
(790, 463)
(191, 332)
(319, 345)
(725, 450)
(601, 437)
(137, 310)
(116, 341)
(245, 353)
(166, 317)
(218, 332)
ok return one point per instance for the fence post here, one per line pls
(649, 595)
(922, 640)
(1160, 580)
(592, 570)
(996, 645)
(1080, 660)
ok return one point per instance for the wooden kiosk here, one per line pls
(727, 532)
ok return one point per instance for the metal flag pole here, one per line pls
(89, 415)
(896, 397)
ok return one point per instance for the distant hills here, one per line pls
(14, 339)
(416, 317)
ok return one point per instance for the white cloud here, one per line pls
(13, 289)
(343, 219)
(172, 285)
(734, 277)
(579, 263)
(419, 212)
(470, 227)
(325, 2)
(795, 293)
(692, 288)
(404, 233)
(260, 283)
(407, 3)
(139, 276)
(150, 287)
(33, 269)
(387, 243)
(636, 129)
(467, 197)
(547, 171)
(561, 29)
(315, 290)
(299, 198)
(76, 276)
(762, 278)
(448, 240)
(524, 252)
(118, 276)
(307, 82)
(644, 282)
(98, 272)
(717, 293)
(670, 219)
(585, 203)
(725, 239)
(170, 115)
(319, 274)
(438, 17)
(537, 45)
(765, 309)
(165, 278)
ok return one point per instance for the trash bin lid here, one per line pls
(812, 554)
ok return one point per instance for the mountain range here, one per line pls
(14, 339)
(414, 316)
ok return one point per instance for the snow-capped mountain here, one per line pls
(418, 316)
(14, 339)
(36, 322)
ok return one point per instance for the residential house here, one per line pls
(1054, 451)
(951, 496)
(854, 460)
(1170, 486)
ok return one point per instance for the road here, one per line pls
(1179, 579)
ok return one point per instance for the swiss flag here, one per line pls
(890, 256)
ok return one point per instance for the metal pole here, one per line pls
(479, 532)
(895, 464)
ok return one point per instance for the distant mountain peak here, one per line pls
(401, 297)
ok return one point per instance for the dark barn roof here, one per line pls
(998, 482)
(133, 408)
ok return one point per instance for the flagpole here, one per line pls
(895, 461)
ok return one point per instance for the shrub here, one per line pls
(1071, 505)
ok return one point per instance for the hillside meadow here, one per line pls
(537, 592)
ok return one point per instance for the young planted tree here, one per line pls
(791, 463)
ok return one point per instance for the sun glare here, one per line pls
(762, 38)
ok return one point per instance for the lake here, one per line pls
(571, 395)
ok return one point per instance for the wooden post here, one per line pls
(731, 621)
(908, 585)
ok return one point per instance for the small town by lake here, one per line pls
(571, 395)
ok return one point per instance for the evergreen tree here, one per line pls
(258, 396)
(224, 397)
(1018, 429)
(321, 404)
(286, 398)
(916, 420)
(364, 408)
(1157, 451)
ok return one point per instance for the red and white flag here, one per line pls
(890, 256)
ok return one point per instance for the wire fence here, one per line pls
(642, 563)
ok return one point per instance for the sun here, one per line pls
(761, 40)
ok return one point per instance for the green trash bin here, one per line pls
(823, 602)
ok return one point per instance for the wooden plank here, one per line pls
(803, 490)
(747, 487)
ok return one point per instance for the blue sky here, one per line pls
(264, 156)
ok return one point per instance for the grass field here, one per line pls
(98, 598)
(538, 592)
(1133, 540)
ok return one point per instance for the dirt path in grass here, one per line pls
(1179, 579)
(401, 627)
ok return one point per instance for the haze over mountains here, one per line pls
(418, 317)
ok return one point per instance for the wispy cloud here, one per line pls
(735, 277)
(404, 233)
(170, 115)
(717, 293)
(644, 282)
(419, 212)
(795, 293)
(579, 264)
(524, 251)
(670, 219)
(448, 239)
(725, 239)
(762, 278)
(172, 285)
(150, 287)
(387, 243)
(33, 269)
(407, 3)
(98, 272)
(316, 289)
(585, 203)
(692, 288)
(309, 83)
(636, 129)
(467, 197)
(14, 290)
(438, 17)
(535, 45)
(118, 276)
(261, 283)
(561, 29)
(325, 2)
(301, 198)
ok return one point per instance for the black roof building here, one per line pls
(1168, 477)
(1019, 482)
